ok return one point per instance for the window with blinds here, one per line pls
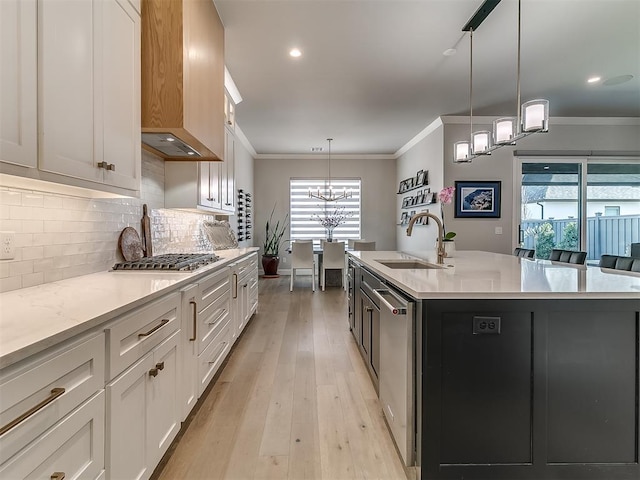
(303, 209)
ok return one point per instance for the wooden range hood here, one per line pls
(182, 79)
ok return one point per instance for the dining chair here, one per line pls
(333, 259)
(568, 256)
(624, 263)
(608, 261)
(363, 245)
(524, 252)
(302, 257)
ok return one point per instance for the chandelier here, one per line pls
(328, 194)
(531, 117)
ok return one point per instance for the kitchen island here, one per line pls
(524, 369)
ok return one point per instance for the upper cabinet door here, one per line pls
(120, 77)
(67, 105)
(18, 82)
(89, 75)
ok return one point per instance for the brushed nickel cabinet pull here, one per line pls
(160, 366)
(222, 313)
(195, 321)
(368, 309)
(235, 285)
(55, 393)
(153, 372)
(224, 344)
(58, 476)
(103, 164)
(112, 167)
(154, 329)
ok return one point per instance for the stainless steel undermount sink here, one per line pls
(409, 264)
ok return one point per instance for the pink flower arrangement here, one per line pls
(446, 197)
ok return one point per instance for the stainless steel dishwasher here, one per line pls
(396, 376)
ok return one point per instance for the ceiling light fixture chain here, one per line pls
(329, 195)
(531, 117)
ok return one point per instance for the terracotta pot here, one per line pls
(270, 265)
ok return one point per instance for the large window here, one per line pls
(580, 204)
(304, 210)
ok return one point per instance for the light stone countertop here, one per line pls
(475, 274)
(35, 318)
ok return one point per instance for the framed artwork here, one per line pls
(477, 199)
(422, 178)
(404, 219)
(406, 201)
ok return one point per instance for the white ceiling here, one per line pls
(372, 74)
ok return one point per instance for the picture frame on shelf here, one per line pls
(404, 218)
(422, 177)
(477, 199)
(402, 187)
(406, 202)
(429, 198)
(423, 220)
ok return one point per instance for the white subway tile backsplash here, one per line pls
(32, 279)
(62, 236)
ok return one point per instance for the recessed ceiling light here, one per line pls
(594, 79)
(617, 80)
(295, 52)
(449, 52)
(171, 139)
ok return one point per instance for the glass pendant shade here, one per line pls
(481, 142)
(504, 130)
(462, 152)
(535, 116)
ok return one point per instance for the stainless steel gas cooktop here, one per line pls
(173, 262)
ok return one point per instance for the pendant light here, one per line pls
(330, 196)
(532, 116)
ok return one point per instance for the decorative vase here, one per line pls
(270, 265)
(449, 248)
(329, 235)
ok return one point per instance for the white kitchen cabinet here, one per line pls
(18, 82)
(89, 78)
(244, 292)
(206, 315)
(56, 382)
(209, 196)
(227, 173)
(73, 448)
(143, 412)
(193, 185)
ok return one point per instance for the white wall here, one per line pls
(244, 180)
(425, 155)
(379, 214)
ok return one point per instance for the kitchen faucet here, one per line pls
(440, 232)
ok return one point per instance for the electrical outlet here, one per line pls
(7, 245)
(284, 259)
(486, 325)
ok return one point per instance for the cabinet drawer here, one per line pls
(136, 333)
(74, 447)
(211, 320)
(213, 287)
(213, 356)
(78, 370)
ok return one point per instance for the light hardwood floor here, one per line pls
(294, 400)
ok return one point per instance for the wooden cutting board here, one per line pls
(130, 244)
(146, 233)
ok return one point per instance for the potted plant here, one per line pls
(271, 249)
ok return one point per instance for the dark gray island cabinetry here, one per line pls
(524, 369)
(550, 391)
